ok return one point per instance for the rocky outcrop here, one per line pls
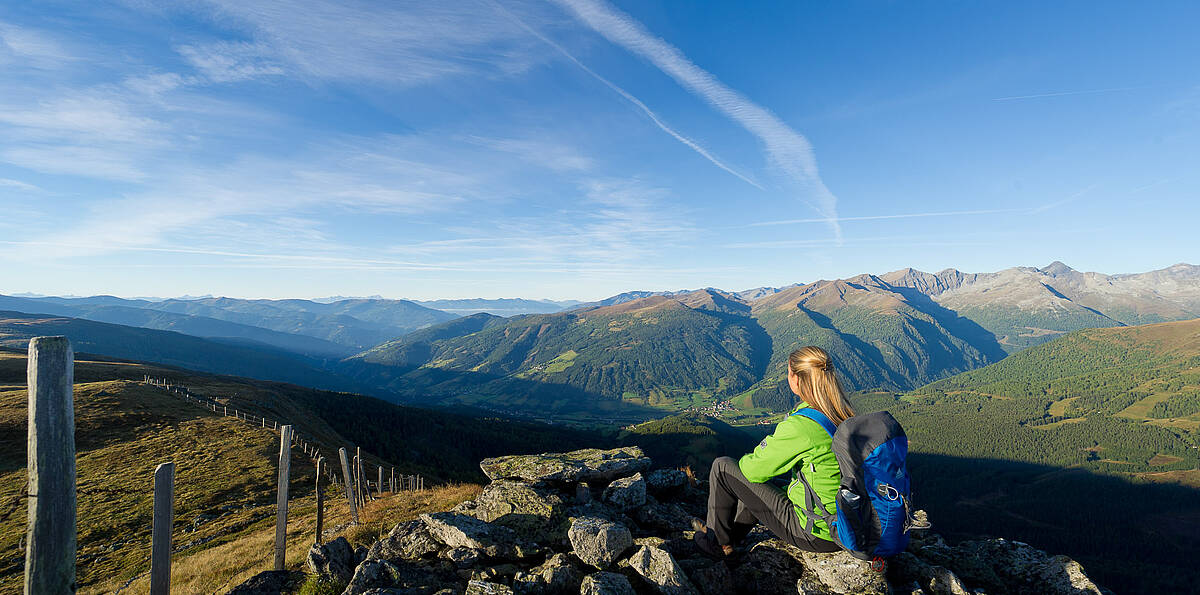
(580, 465)
(599, 522)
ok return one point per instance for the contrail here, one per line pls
(1062, 93)
(693, 145)
(900, 216)
(786, 149)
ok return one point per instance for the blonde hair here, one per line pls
(819, 385)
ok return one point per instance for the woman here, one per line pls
(738, 495)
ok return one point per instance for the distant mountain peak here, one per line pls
(1057, 268)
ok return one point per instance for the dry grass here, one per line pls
(219, 568)
(224, 469)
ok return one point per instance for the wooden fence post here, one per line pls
(359, 480)
(379, 483)
(285, 463)
(320, 500)
(160, 550)
(50, 535)
(349, 486)
(392, 483)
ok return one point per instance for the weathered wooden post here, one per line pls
(160, 550)
(285, 463)
(50, 535)
(392, 482)
(320, 500)
(350, 497)
(379, 484)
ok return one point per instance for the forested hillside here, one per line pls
(1094, 433)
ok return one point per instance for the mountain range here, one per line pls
(643, 352)
(675, 349)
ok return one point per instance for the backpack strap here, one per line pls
(815, 414)
(812, 501)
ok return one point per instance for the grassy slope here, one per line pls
(224, 467)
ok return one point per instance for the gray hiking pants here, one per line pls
(735, 505)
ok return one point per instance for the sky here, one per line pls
(575, 149)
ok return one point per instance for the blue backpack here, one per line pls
(874, 513)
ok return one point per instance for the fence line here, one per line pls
(362, 491)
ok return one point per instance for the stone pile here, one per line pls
(601, 522)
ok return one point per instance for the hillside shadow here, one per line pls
(1132, 537)
(522, 398)
(964, 328)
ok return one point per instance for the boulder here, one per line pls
(487, 588)
(407, 541)
(1001, 565)
(839, 572)
(598, 542)
(626, 493)
(461, 557)
(371, 574)
(665, 481)
(662, 517)
(769, 568)
(709, 577)
(532, 511)
(270, 582)
(605, 583)
(459, 530)
(334, 560)
(660, 570)
(570, 467)
(558, 574)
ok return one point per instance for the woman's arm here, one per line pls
(777, 453)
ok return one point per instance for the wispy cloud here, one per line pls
(18, 184)
(392, 43)
(787, 150)
(1065, 93)
(231, 61)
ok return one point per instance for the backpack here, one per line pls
(874, 512)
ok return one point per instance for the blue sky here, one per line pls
(579, 148)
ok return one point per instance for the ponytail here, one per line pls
(819, 384)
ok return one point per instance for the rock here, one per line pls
(334, 559)
(1001, 565)
(665, 481)
(662, 517)
(462, 557)
(598, 542)
(531, 511)
(407, 541)
(487, 588)
(661, 571)
(465, 507)
(652, 541)
(839, 572)
(627, 492)
(558, 574)
(583, 493)
(944, 582)
(371, 574)
(459, 530)
(769, 568)
(709, 577)
(605, 583)
(271, 582)
(570, 467)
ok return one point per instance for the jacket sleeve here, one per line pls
(777, 453)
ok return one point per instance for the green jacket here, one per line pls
(798, 440)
